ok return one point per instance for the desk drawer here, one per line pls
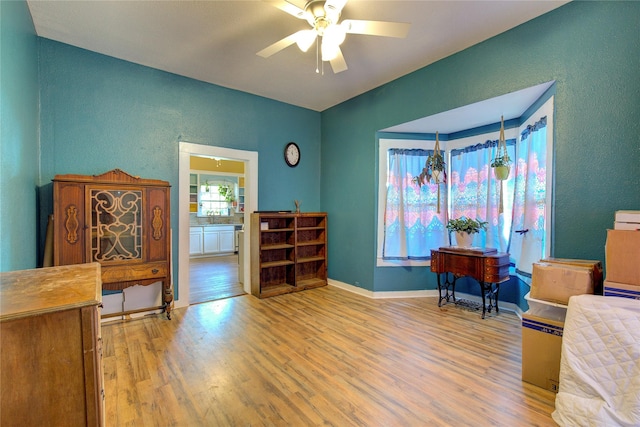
(497, 261)
(497, 273)
(132, 272)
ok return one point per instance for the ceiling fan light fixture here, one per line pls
(329, 50)
(305, 38)
(334, 34)
(324, 17)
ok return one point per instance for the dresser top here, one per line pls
(26, 293)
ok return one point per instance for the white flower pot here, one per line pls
(464, 240)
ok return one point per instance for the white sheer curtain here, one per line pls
(412, 226)
(475, 192)
(529, 206)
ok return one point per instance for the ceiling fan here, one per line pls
(323, 16)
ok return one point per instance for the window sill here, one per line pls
(402, 263)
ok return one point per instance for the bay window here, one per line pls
(517, 209)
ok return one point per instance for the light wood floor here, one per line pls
(213, 278)
(319, 357)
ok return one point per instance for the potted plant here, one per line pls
(465, 228)
(501, 165)
(434, 169)
(226, 191)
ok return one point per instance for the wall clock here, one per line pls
(292, 154)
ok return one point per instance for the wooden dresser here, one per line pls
(120, 221)
(50, 347)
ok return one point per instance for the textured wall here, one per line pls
(18, 138)
(590, 48)
(99, 113)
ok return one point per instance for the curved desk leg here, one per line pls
(445, 286)
(483, 291)
(489, 292)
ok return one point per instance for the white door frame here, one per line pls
(250, 159)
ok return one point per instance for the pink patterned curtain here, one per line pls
(475, 192)
(529, 207)
(412, 226)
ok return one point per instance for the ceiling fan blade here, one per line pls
(288, 7)
(376, 28)
(333, 8)
(278, 46)
(338, 64)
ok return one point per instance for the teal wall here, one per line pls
(99, 113)
(18, 137)
(592, 50)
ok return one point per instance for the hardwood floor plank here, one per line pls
(213, 278)
(320, 357)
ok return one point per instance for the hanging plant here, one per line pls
(434, 170)
(227, 192)
(501, 164)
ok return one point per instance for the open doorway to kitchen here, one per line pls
(216, 220)
(198, 277)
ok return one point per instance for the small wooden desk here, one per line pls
(486, 265)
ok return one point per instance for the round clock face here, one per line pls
(292, 154)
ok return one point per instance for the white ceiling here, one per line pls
(217, 41)
(489, 111)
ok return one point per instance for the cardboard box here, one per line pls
(112, 302)
(613, 289)
(622, 256)
(626, 225)
(558, 282)
(541, 351)
(594, 265)
(140, 297)
(628, 216)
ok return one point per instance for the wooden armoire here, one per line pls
(120, 221)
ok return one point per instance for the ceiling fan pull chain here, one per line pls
(317, 55)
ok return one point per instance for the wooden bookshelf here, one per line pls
(288, 252)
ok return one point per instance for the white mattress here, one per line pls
(600, 364)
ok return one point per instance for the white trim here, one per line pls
(504, 306)
(251, 204)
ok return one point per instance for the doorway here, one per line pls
(214, 277)
(250, 159)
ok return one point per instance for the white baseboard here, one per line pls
(508, 306)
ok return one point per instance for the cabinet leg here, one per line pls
(168, 298)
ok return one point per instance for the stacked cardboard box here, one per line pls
(558, 279)
(627, 220)
(622, 256)
(553, 282)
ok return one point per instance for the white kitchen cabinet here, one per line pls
(195, 241)
(227, 240)
(211, 239)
